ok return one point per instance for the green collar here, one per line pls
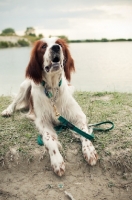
(48, 93)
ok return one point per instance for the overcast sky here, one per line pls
(77, 19)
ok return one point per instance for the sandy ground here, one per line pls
(34, 179)
(13, 39)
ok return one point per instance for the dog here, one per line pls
(46, 91)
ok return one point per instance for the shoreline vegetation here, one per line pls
(8, 38)
(24, 41)
(101, 40)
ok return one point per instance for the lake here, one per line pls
(99, 67)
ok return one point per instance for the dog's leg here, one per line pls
(56, 158)
(21, 96)
(52, 146)
(88, 150)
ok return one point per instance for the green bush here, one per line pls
(32, 34)
(4, 44)
(23, 43)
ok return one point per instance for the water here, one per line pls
(99, 67)
(103, 66)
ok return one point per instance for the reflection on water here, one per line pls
(99, 67)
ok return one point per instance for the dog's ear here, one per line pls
(68, 61)
(35, 66)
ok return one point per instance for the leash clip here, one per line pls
(55, 110)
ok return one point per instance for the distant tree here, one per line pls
(64, 37)
(32, 34)
(104, 40)
(118, 40)
(8, 31)
(30, 31)
(40, 35)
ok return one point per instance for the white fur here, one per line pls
(21, 98)
(45, 117)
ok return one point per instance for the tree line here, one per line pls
(30, 37)
(101, 40)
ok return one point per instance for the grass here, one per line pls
(17, 131)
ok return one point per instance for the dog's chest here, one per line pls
(45, 101)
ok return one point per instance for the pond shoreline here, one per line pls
(13, 41)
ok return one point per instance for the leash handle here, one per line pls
(95, 126)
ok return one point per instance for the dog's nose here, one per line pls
(55, 48)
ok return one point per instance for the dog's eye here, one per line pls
(59, 44)
(44, 46)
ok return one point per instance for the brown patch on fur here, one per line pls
(57, 172)
(88, 147)
(91, 160)
(96, 156)
(61, 170)
(53, 138)
(68, 63)
(54, 151)
(90, 144)
(46, 148)
(35, 66)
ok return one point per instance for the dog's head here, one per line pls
(49, 55)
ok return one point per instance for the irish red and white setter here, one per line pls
(47, 76)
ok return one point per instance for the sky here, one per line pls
(76, 19)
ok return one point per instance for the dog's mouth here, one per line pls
(55, 64)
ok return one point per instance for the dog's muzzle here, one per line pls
(55, 59)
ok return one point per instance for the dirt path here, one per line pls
(35, 180)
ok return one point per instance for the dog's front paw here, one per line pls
(57, 163)
(89, 152)
(7, 112)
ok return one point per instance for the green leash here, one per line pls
(67, 125)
